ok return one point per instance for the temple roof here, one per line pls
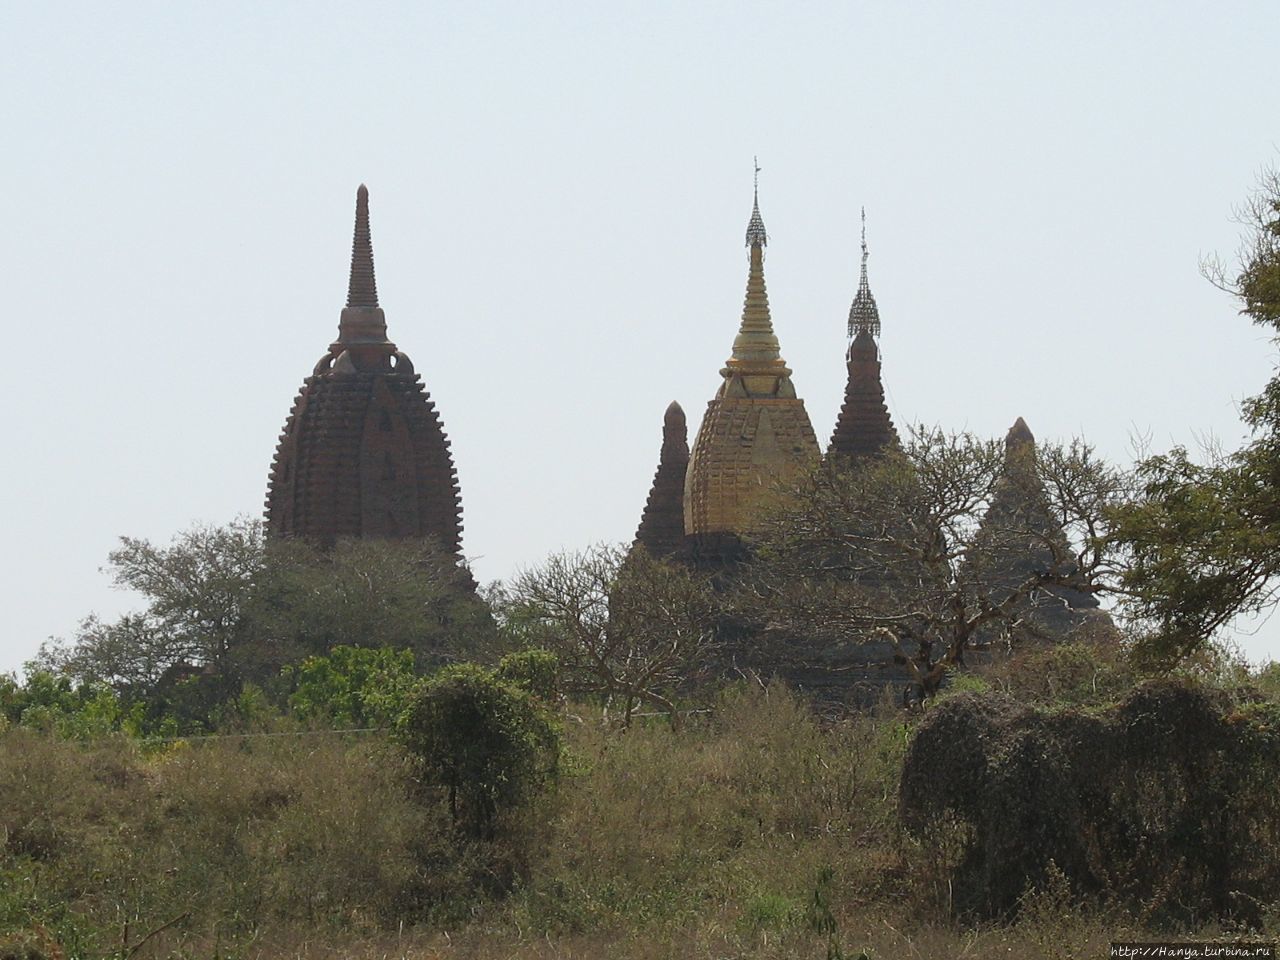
(1019, 534)
(362, 327)
(1019, 435)
(362, 288)
(863, 313)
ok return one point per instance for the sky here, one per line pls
(558, 195)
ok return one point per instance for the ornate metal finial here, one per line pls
(362, 290)
(863, 314)
(756, 236)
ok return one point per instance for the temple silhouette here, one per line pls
(756, 430)
(864, 427)
(363, 452)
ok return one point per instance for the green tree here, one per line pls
(487, 743)
(55, 704)
(1204, 537)
(353, 686)
(224, 606)
(197, 590)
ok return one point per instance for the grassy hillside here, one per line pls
(753, 832)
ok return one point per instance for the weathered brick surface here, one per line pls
(864, 427)
(363, 452)
(661, 530)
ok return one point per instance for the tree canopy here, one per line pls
(223, 606)
(950, 540)
(1204, 537)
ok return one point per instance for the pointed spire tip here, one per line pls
(864, 315)
(756, 234)
(362, 289)
(1019, 434)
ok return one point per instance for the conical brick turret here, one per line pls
(864, 427)
(661, 529)
(363, 453)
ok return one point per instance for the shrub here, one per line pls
(535, 671)
(485, 741)
(353, 686)
(1165, 802)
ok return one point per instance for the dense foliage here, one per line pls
(1165, 802)
(488, 743)
(1204, 537)
(754, 831)
(223, 607)
(353, 686)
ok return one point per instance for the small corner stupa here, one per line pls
(1019, 538)
(864, 427)
(755, 430)
(363, 452)
(661, 530)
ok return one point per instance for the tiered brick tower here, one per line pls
(864, 427)
(662, 524)
(363, 453)
(754, 432)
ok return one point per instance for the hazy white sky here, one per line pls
(558, 196)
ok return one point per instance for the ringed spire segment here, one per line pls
(756, 348)
(864, 315)
(362, 289)
(362, 327)
(756, 235)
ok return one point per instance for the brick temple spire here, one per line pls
(362, 288)
(755, 430)
(362, 329)
(1019, 440)
(864, 427)
(661, 529)
(363, 452)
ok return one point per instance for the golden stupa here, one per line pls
(755, 430)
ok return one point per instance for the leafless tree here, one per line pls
(946, 544)
(625, 625)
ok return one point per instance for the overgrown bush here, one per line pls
(353, 686)
(485, 741)
(537, 672)
(724, 825)
(57, 704)
(1165, 803)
